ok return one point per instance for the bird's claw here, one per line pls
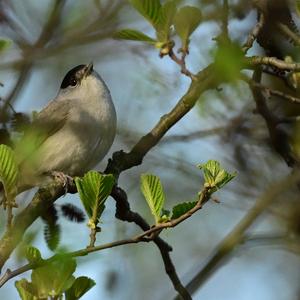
(65, 179)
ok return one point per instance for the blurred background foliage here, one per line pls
(43, 39)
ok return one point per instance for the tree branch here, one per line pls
(254, 33)
(122, 161)
(44, 198)
(278, 137)
(149, 235)
(235, 237)
(254, 61)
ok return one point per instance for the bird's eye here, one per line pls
(73, 81)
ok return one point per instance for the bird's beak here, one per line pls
(88, 69)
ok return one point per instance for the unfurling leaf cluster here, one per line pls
(94, 188)
(215, 177)
(152, 189)
(53, 279)
(166, 19)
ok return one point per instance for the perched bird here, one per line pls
(71, 134)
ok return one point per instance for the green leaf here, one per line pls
(186, 20)
(181, 208)
(80, 286)
(54, 278)
(167, 13)
(149, 9)
(26, 290)
(134, 35)
(215, 177)
(94, 188)
(4, 44)
(153, 192)
(33, 254)
(8, 171)
(298, 7)
(229, 61)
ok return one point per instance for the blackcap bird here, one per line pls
(71, 134)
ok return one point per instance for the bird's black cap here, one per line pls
(75, 75)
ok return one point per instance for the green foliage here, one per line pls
(50, 280)
(80, 286)
(149, 9)
(215, 177)
(93, 189)
(229, 60)
(4, 44)
(53, 280)
(186, 21)
(152, 190)
(298, 7)
(33, 254)
(27, 240)
(8, 171)
(134, 35)
(181, 208)
(25, 290)
(166, 18)
(162, 17)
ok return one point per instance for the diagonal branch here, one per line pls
(42, 200)
(122, 161)
(254, 33)
(149, 235)
(254, 61)
(43, 39)
(235, 237)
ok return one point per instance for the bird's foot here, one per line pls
(63, 178)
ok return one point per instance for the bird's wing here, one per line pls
(53, 117)
(46, 123)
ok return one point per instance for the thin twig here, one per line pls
(194, 135)
(146, 236)
(270, 91)
(181, 63)
(277, 93)
(235, 237)
(254, 33)
(289, 33)
(42, 40)
(206, 79)
(225, 14)
(278, 138)
(271, 61)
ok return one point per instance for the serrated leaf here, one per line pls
(26, 290)
(215, 177)
(94, 188)
(134, 35)
(167, 13)
(4, 44)
(186, 20)
(152, 190)
(54, 278)
(8, 171)
(181, 208)
(149, 9)
(33, 254)
(80, 286)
